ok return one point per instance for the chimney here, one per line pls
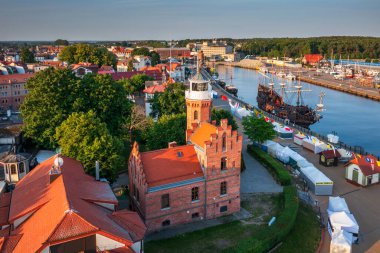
(172, 144)
(97, 170)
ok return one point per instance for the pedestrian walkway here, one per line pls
(194, 226)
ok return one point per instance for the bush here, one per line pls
(269, 237)
(274, 166)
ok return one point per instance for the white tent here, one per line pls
(298, 138)
(343, 221)
(272, 149)
(312, 143)
(303, 163)
(318, 182)
(345, 155)
(340, 242)
(284, 154)
(338, 204)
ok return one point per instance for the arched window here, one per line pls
(13, 169)
(195, 115)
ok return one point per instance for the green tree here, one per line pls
(61, 42)
(129, 88)
(107, 98)
(168, 128)
(171, 101)
(219, 114)
(138, 81)
(141, 51)
(86, 138)
(130, 65)
(49, 102)
(257, 129)
(26, 55)
(87, 53)
(155, 58)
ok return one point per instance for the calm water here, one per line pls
(355, 119)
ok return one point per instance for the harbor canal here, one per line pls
(356, 120)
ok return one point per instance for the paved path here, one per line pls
(194, 226)
(255, 178)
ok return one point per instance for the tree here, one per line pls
(171, 101)
(219, 114)
(86, 138)
(141, 51)
(49, 102)
(130, 65)
(87, 53)
(155, 58)
(257, 129)
(137, 123)
(168, 128)
(129, 88)
(60, 42)
(138, 81)
(26, 55)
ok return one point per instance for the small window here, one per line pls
(13, 169)
(195, 194)
(22, 168)
(195, 215)
(195, 115)
(165, 202)
(179, 154)
(223, 188)
(166, 223)
(224, 142)
(223, 163)
(223, 209)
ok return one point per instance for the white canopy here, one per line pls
(284, 154)
(343, 221)
(304, 163)
(338, 204)
(315, 176)
(340, 242)
(296, 157)
(273, 148)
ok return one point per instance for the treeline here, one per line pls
(345, 47)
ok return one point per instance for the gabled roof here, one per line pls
(202, 134)
(369, 165)
(66, 208)
(155, 88)
(171, 165)
(329, 153)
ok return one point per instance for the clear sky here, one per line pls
(180, 19)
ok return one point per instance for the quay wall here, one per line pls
(245, 63)
(343, 88)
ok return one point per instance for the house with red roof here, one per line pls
(363, 170)
(84, 68)
(312, 59)
(192, 182)
(106, 70)
(13, 91)
(57, 207)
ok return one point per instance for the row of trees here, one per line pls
(347, 47)
(87, 53)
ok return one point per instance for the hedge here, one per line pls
(269, 237)
(275, 167)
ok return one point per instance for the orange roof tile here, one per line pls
(203, 133)
(14, 78)
(63, 210)
(164, 166)
(155, 88)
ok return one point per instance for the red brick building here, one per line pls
(165, 53)
(200, 180)
(312, 59)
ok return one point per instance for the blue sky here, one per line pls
(180, 19)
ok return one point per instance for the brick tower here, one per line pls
(198, 100)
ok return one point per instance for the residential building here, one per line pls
(196, 181)
(84, 68)
(106, 70)
(155, 74)
(15, 166)
(12, 91)
(58, 208)
(141, 61)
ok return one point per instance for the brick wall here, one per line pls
(203, 109)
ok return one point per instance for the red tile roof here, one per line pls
(155, 74)
(313, 58)
(64, 209)
(164, 166)
(203, 133)
(155, 88)
(14, 78)
(328, 154)
(369, 165)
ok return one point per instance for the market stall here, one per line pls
(318, 182)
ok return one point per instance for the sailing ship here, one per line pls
(271, 101)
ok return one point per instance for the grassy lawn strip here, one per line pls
(305, 235)
(274, 166)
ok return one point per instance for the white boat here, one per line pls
(281, 74)
(291, 76)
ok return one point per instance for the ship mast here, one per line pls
(299, 87)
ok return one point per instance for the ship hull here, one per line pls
(271, 102)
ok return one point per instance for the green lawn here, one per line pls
(305, 235)
(215, 239)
